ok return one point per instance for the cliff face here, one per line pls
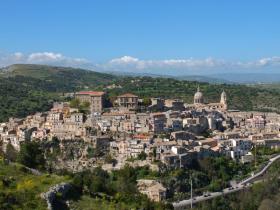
(50, 195)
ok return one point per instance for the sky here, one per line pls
(153, 36)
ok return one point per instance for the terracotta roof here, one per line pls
(128, 95)
(157, 113)
(93, 93)
(118, 113)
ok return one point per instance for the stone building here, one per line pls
(153, 189)
(128, 101)
(200, 103)
(95, 98)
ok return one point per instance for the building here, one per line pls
(200, 103)
(157, 122)
(128, 101)
(198, 97)
(95, 98)
(153, 189)
(235, 148)
(174, 104)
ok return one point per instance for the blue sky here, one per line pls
(181, 36)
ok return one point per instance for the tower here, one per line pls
(224, 99)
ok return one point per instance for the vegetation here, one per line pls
(82, 107)
(207, 174)
(25, 89)
(263, 195)
(32, 155)
(19, 189)
(118, 189)
(240, 97)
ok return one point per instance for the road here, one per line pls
(236, 187)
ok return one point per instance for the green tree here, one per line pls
(75, 103)
(142, 156)
(32, 155)
(11, 153)
(147, 101)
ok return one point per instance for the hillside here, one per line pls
(19, 189)
(264, 195)
(240, 97)
(65, 78)
(25, 89)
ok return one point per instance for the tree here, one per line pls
(84, 107)
(142, 156)
(75, 103)
(11, 153)
(32, 155)
(147, 101)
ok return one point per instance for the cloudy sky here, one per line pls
(161, 37)
(188, 66)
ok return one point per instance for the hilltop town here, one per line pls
(90, 132)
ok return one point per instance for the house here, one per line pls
(235, 148)
(153, 189)
(182, 135)
(95, 98)
(175, 104)
(128, 100)
(157, 122)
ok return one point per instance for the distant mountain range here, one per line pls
(227, 78)
(252, 78)
(38, 71)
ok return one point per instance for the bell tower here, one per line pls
(224, 99)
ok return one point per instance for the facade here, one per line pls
(153, 189)
(200, 104)
(95, 98)
(157, 122)
(174, 104)
(128, 101)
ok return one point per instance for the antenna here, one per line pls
(191, 193)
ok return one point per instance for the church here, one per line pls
(200, 104)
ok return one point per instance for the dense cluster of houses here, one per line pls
(168, 131)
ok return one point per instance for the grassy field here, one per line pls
(88, 203)
(19, 189)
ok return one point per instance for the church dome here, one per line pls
(198, 97)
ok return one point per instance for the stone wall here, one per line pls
(50, 195)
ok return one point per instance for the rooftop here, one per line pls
(92, 93)
(129, 95)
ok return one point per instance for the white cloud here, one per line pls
(133, 64)
(124, 60)
(128, 63)
(50, 58)
(268, 61)
(45, 57)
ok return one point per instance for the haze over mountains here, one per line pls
(228, 78)
(257, 77)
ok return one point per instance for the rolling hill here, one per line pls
(26, 88)
(65, 78)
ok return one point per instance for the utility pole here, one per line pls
(191, 193)
(255, 154)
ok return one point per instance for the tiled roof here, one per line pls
(128, 95)
(93, 93)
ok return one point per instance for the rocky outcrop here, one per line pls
(50, 195)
